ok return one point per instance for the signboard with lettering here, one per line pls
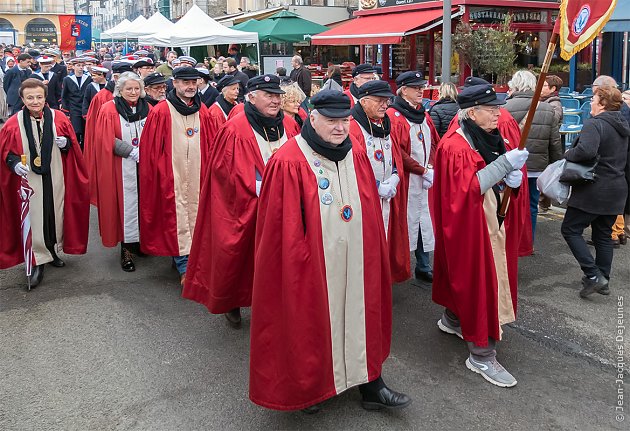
(76, 32)
(495, 15)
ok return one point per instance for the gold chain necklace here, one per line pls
(271, 149)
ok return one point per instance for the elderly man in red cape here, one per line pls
(174, 151)
(322, 300)
(91, 129)
(226, 101)
(476, 264)
(221, 268)
(360, 75)
(414, 132)
(59, 206)
(370, 129)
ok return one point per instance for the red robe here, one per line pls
(158, 216)
(508, 127)
(91, 132)
(110, 192)
(236, 110)
(293, 359)
(349, 94)
(217, 118)
(465, 278)
(397, 232)
(221, 263)
(76, 207)
(400, 137)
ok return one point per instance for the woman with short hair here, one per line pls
(290, 102)
(117, 155)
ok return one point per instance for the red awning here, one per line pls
(386, 28)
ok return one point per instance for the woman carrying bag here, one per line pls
(598, 203)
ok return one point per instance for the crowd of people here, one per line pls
(303, 206)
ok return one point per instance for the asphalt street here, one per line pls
(95, 348)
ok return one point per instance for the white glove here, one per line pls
(514, 179)
(61, 142)
(135, 155)
(517, 158)
(386, 189)
(21, 170)
(258, 187)
(427, 179)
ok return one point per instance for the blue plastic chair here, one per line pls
(426, 103)
(564, 90)
(568, 103)
(586, 111)
(587, 91)
(571, 119)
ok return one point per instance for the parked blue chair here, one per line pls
(586, 111)
(568, 103)
(426, 103)
(564, 90)
(571, 120)
(587, 91)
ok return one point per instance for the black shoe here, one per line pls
(37, 276)
(425, 276)
(385, 398)
(57, 263)
(623, 239)
(126, 261)
(616, 243)
(311, 410)
(591, 286)
(234, 317)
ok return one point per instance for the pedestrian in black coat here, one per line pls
(445, 108)
(597, 204)
(74, 87)
(13, 79)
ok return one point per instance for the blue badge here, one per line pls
(378, 155)
(346, 213)
(323, 183)
(190, 132)
(327, 199)
(387, 146)
(317, 163)
(134, 142)
(420, 136)
(196, 129)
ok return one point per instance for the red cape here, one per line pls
(464, 272)
(76, 199)
(291, 351)
(508, 127)
(347, 93)
(92, 131)
(397, 235)
(220, 268)
(217, 118)
(108, 167)
(158, 219)
(236, 110)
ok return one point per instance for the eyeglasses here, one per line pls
(493, 109)
(380, 101)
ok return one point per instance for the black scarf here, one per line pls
(150, 100)
(182, 107)
(269, 128)
(489, 145)
(377, 130)
(409, 112)
(123, 108)
(336, 153)
(226, 106)
(46, 143)
(298, 120)
(354, 90)
(110, 86)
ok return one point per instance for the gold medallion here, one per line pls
(37, 161)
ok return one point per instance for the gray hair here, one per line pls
(604, 80)
(464, 114)
(122, 80)
(297, 59)
(523, 80)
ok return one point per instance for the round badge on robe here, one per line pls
(378, 155)
(190, 132)
(196, 129)
(323, 183)
(387, 146)
(420, 135)
(346, 213)
(142, 123)
(317, 163)
(327, 199)
(134, 142)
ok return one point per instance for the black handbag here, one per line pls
(575, 174)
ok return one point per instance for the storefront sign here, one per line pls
(487, 16)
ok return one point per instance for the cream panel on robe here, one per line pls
(40, 252)
(186, 159)
(418, 214)
(131, 133)
(268, 148)
(343, 254)
(379, 151)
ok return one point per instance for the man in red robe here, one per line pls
(370, 129)
(476, 267)
(228, 88)
(413, 131)
(360, 75)
(221, 269)
(322, 300)
(102, 97)
(174, 152)
(59, 207)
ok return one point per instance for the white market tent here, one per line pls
(124, 32)
(197, 29)
(156, 23)
(116, 29)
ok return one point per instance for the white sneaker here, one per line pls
(445, 327)
(492, 371)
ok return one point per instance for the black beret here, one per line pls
(331, 103)
(226, 81)
(363, 68)
(411, 79)
(473, 80)
(154, 79)
(477, 95)
(146, 61)
(33, 53)
(375, 88)
(121, 67)
(268, 83)
(186, 73)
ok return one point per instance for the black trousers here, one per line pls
(573, 225)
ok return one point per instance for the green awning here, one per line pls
(285, 26)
